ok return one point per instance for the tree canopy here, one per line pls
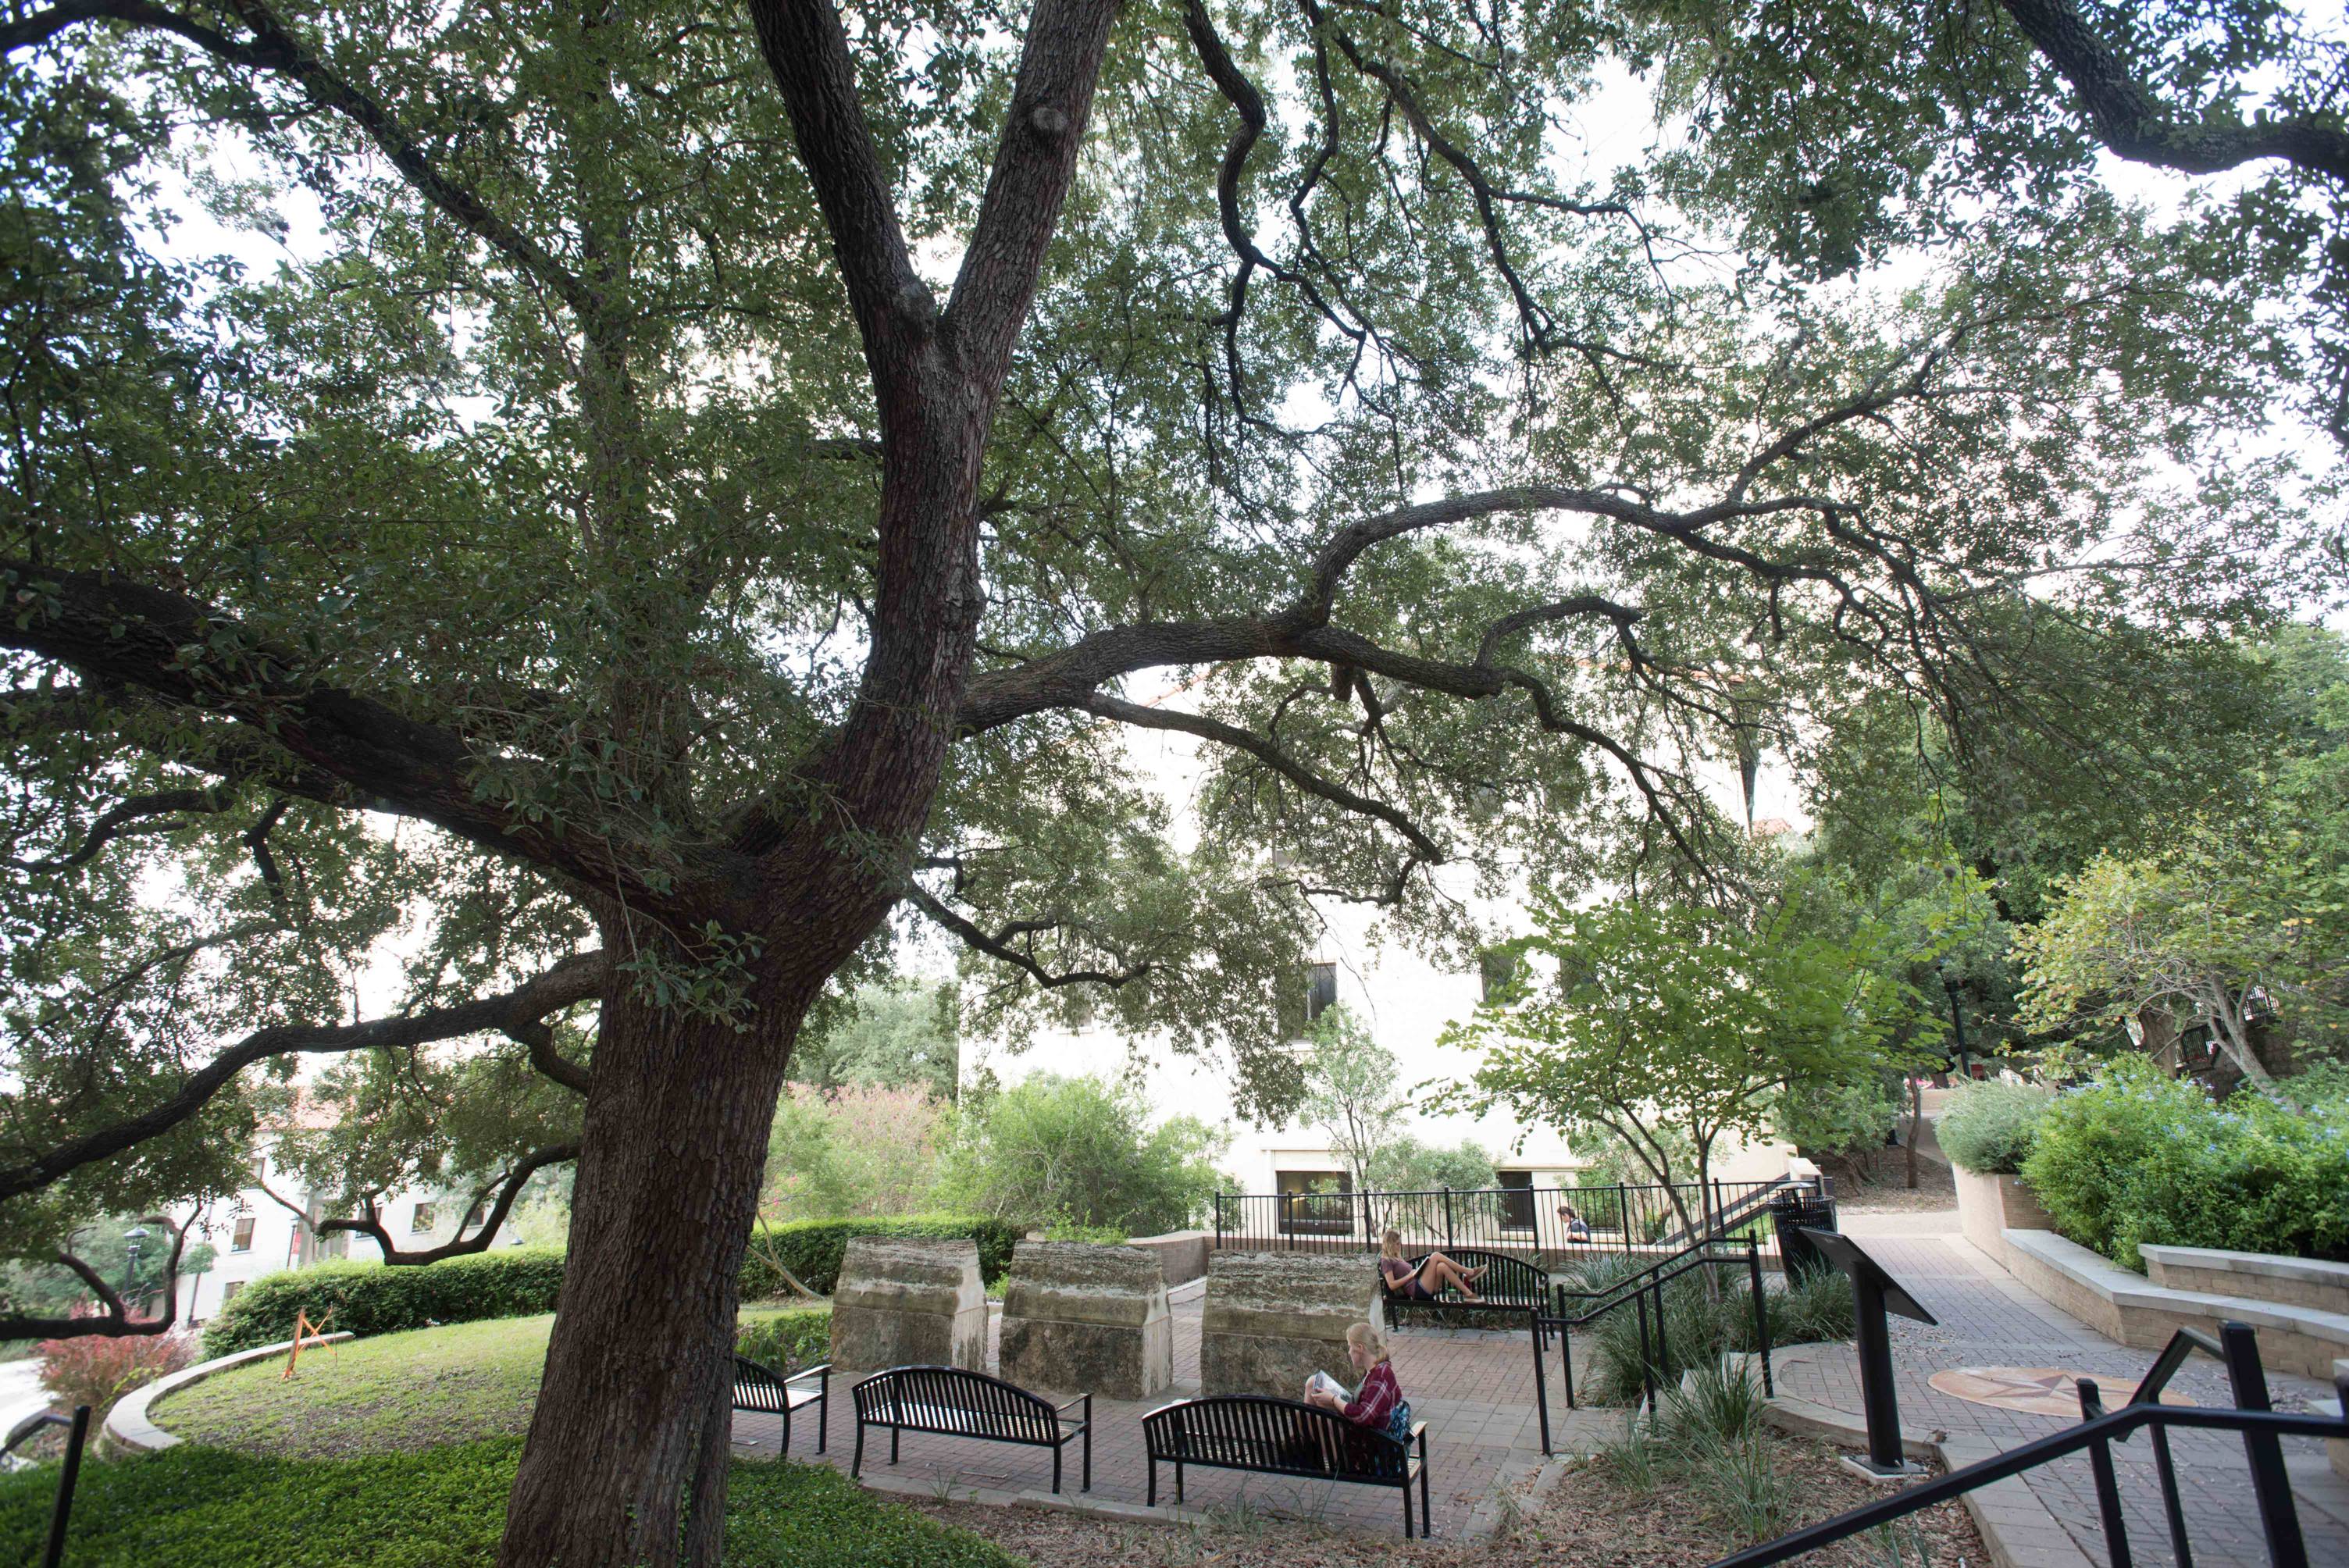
(702, 488)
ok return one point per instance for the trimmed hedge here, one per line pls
(518, 1281)
(787, 1340)
(369, 1298)
(196, 1507)
(812, 1249)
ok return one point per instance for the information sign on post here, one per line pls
(1875, 1293)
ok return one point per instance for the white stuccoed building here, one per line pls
(254, 1233)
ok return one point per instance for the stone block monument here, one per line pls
(1083, 1318)
(904, 1302)
(1271, 1320)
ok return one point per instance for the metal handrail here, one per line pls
(1544, 1325)
(77, 1428)
(2112, 1427)
(2261, 1428)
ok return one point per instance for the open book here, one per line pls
(1322, 1383)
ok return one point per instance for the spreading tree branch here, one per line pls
(999, 945)
(195, 655)
(114, 1322)
(2130, 119)
(512, 1184)
(572, 981)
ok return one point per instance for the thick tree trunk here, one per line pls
(674, 1147)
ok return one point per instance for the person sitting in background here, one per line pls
(1433, 1275)
(1377, 1404)
(1577, 1229)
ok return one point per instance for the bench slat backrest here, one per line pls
(1508, 1279)
(952, 1400)
(759, 1387)
(1251, 1431)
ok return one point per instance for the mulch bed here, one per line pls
(1586, 1523)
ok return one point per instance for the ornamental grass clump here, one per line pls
(2134, 1158)
(1988, 1127)
(1700, 1325)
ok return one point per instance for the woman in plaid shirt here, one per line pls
(1377, 1404)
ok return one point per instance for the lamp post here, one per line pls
(130, 1240)
(1957, 1018)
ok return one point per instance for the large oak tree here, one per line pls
(710, 485)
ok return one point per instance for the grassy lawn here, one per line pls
(443, 1508)
(392, 1392)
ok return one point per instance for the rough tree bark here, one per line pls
(674, 1147)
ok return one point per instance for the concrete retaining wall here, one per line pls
(1990, 1206)
(1182, 1254)
(2139, 1313)
(2259, 1276)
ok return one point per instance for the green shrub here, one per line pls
(370, 1298)
(1698, 1327)
(786, 1341)
(208, 1507)
(812, 1249)
(2134, 1157)
(519, 1281)
(1987, 1125)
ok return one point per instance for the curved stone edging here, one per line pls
(128, 1423)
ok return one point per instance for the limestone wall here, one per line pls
(1081, 1318)
(903, 1302)
(1271, 1320)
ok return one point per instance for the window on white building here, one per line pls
(242, 1240)
(228, 1291)
(420, 1223)
(1516, 1199)
(475, 1216)
(1321, 989)
(1496, 969)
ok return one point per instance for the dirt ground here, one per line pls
(1884, 1193)
(1587, 1523)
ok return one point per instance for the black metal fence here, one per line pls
(2252, 1419)
(1547, 1224)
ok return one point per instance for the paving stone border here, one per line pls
(129, 1424)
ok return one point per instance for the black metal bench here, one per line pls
(1284, 1436)
(1510, 1284)
(758, 1387)
(948, 1401)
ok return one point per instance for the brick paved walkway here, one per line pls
(1483, 1441)
(1989, 1320)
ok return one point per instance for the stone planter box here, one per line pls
(1990, 1206)
(1083, 1318)
(1271, 1320)
(2255, 1276)
(907, 1303)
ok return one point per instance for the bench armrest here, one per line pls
(1084, 1399)
(822, 1372)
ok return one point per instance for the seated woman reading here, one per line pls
(1378, 1403)
(1433, 1275)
